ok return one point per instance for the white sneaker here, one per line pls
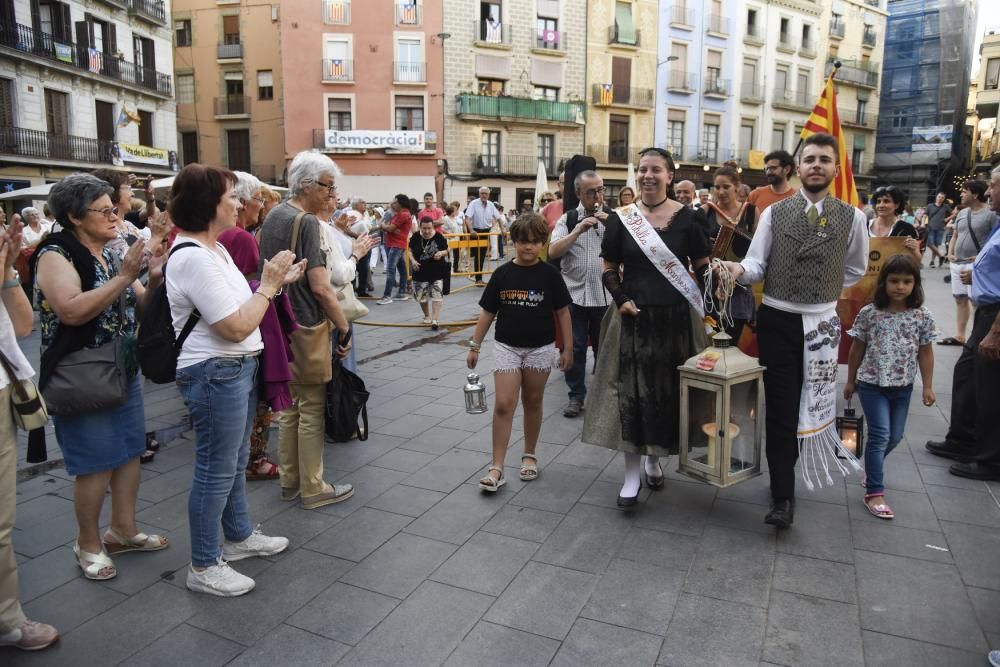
(220, 579)
(258, 544)
(384, 301)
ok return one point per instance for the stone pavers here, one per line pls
(420, 568)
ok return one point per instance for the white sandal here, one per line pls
(490, 484)
(93, 564)
(529, 471)
(114, 543)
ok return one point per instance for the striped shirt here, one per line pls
(582, 266)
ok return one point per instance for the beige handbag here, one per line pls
(350, 303)
(312, 347)
(26, 403)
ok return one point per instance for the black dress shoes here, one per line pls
(782, 513)
(976, 471)
(626, 503)
(949, 450)
(654, 483)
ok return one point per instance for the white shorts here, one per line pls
(509, 359)
(958, 289)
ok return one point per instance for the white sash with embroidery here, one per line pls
(661, 257)
(819, 444)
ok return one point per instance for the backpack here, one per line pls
(158, 345)
(346, 400)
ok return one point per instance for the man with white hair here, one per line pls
(360, 224)
(293, 224)
(684, 191)
(480, 215)
(973, 440)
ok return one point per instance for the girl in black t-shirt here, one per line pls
(522, 295)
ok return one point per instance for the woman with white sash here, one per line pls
(647, 249)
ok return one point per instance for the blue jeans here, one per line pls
(350, 362)
(586, 324)
(885, 411)
(221, 397)
(396, 257)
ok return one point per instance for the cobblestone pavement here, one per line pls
(420, 568)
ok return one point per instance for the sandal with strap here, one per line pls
(490, 483)
(529, 471)
(114, 543)
(880, 510)
(261, 470)
(95, 566)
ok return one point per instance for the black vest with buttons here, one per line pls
(806, 264)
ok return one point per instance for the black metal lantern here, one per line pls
(851, 430)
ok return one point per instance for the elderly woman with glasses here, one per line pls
(34, 227)
(89, 297)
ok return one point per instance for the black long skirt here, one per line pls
(653, 344)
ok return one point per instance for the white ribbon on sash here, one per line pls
(819, 443)
(661, 257)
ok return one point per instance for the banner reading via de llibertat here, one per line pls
(853, 299)
(399, 140)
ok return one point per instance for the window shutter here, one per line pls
(265, 78)
(546, 73)
(493, 67)
(676, 115)
(548, 8)
(112, 44)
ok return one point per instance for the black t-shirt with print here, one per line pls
(422, 251)
(524, 298)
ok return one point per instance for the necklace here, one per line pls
(652, 206)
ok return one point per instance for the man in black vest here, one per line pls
(806, 249)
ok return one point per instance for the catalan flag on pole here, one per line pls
(409, 13)
(825, 119)
(607, 93)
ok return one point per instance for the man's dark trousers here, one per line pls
(975, 388)
(781, 344)
(586, 324)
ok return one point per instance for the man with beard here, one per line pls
(973, 439)
(806, 249)
(778, 168)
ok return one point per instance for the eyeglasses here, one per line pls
(594, 192)
(331, 188)
(259, 200)
(547, 201)
(108, 212)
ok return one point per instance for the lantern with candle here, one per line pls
(475, 395)
(721, 386)
(851, 429)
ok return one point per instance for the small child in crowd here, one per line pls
(429, 261)
(522, 295)
(892, 337)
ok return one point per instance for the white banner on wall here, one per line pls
(399, 140)
(937, 137)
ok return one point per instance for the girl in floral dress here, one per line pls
(892, 337)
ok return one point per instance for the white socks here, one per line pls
(653, 467)
(630, 489)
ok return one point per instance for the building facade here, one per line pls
(84, 85)
(362, 74)
(621, 85)
(987, 102)
(926, 73)
(227, 61)
(516, 93)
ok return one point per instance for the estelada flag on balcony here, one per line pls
(607, 93)
(125, 117)
(336, 68)
(409, 13)
(825, 119)
(336, 10)
(94, 61)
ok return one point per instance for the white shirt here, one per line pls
(755, 262)
(11, 350)
(338, 247)
(31, 237)
(189, 272)
(451, 225)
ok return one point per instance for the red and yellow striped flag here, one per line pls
(607, 94)
(825, 119)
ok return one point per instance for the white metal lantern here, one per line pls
(721, 386)
(475, 395)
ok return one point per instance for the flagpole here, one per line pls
(836, 66)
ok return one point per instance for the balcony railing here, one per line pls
(337, 69)
(680, 81)
(837, 28)
(492, 164)
(614, 154)
(751, 93)
(38, 144)
(717, 24)
(753, 35)
(492, 33)
(519, 108)
(623, 37)
(869, 37)
(38, 44)
(409, 14)
(551, 40)
(626, 95)
(704, 154)
(409, 72)
(796, 99)
(681, 15)
(337, 12)
(224, 51)
(150, 10)
(858, 118)
(716, 87)
(232, 105)
(857, 73)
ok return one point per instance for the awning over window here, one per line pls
(493, 67)
(546, 73)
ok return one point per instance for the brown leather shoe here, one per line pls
(31, 636)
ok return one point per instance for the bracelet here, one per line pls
(474, 345)
(269, 298)
(13, 282)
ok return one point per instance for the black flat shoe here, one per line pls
(654, 483)
(782, 513)
(625, 503)
(976, 470)
(949, 451)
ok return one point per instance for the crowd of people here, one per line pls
(629, 282)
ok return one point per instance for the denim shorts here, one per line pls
(104, 440)
(935, 237)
